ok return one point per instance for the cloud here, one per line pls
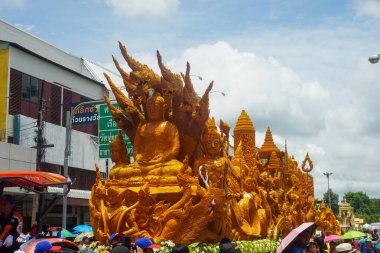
(143, 9)
(270, 92)
(12, 3)
(370, 8)
(25, 27)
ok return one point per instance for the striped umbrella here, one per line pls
(79, 237)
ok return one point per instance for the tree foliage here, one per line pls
(364, 207)
(334, 200)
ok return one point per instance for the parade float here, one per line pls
(182, 184)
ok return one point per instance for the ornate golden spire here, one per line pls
(244, 132)
(244, 123)
(266, 149)
(274, 163)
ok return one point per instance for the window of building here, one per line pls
(29, 88)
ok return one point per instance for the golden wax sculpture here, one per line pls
(327, 221)
(182, 184)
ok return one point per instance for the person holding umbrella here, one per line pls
(298, 239)
(368, 246)
(312, 247)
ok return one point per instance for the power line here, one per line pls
(11, 128)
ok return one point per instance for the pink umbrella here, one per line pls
(332, 238)
(293, 235)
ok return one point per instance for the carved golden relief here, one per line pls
(327, 221)
(182, 185)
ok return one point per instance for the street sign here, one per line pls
(84, 113)
(108, 130)
(104, 110)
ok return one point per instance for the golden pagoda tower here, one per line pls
(268, 147)
(244, 132)
(274, 165)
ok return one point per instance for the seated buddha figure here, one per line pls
(156, 144)
(119, 154)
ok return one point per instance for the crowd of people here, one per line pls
(11, 225)
(119, 244)
(305, 244)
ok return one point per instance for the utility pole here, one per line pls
(66, 166)
(328, 174)
(40, 128)
(39, 145)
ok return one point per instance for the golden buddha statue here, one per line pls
(156, 145)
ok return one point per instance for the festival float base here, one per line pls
(182, 186)
(258, 246)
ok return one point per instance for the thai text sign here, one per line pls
(108, 130)
(84, 114)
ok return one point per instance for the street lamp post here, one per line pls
(374, 58)
(220, 92)
(328, 174)
(199, 77)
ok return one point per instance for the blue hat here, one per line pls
(9, 198)
(45, 246)
(145, 243)
(116, 235)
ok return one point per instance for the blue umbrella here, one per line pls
(82, 228)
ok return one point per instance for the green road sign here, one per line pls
(108, 130)
(104, 110)
(107, 123)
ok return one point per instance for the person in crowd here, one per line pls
(84, 243)
(180, 248)
(345, 248)
(332, 247)
(120, 249)
(375, 235)
(45, 246)
(145, 244)
(116, 239)
(355, 244)
(299, 245)
(33, 231)
(312, 247)
(362, 244)
(321, 244)
(10, 225)
(229, 247)
(377, 247)
(45, 231)
(368, 248)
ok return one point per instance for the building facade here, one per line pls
(37, 78)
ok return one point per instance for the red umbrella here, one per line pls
(332, 238)
(293, 235)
